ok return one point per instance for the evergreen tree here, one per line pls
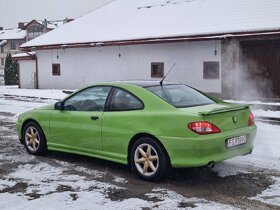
(11, 71)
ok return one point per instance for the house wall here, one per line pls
(27, 73)
(2, 77)
(84, 66)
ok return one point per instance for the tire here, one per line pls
(34, 139)
(149, 160)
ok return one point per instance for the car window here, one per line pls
(90, 99)
(180, 95)
(124, 101)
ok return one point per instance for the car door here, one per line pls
(78, 125)
(122, 117)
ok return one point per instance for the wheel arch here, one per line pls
(140, 135)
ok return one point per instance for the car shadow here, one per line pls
(201, 182)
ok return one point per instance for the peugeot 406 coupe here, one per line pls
(147, 125)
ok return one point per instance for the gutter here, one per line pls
(152, 40)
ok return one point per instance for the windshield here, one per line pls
(180, 96)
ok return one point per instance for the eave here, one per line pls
(156, 40)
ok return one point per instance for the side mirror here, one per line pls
(59, 105)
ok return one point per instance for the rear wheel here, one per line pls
(34, 139)
(149, 160)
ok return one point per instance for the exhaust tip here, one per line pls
(248, 153)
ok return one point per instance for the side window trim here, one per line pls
(110, 97)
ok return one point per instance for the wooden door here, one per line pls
(261, 67)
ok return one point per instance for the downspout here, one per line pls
(18, 74)
(37, 78)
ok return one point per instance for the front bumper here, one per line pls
(19, 125)
(203, 149)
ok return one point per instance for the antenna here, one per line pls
(161, 81)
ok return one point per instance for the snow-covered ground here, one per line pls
(266, 113)
(46, 178)
(40, 93)
(255, 102)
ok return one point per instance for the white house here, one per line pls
(10, 40)
(211, 42)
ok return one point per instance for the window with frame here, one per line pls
(122, 100)
(157, 69)
(2, 61)
(211, 70)
(35, 31)
(56, 69)
(13, 45)
(90, 99)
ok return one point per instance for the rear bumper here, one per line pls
(201, 150)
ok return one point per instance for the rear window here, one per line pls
(180, 96)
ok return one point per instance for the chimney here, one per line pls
(45, 23)
(21, 25)
(67, 20)
(1, 28)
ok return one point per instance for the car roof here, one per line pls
(146, 83)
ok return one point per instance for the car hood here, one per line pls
(47, 107)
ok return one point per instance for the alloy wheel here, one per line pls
(32, 139)
(146, 159)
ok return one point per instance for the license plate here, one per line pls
(236, 141)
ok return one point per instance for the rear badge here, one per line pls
(234, 119)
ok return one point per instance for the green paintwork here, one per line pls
(109, 136)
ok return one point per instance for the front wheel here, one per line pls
(149, 160)
(34, 139)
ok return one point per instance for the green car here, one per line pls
(148, 125)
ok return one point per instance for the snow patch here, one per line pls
(4, 183)
(268, 113)
(272, 194)
(120, 179)
(172, 200)
(39, 93)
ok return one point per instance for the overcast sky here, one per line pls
(14, 11)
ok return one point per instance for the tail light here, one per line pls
(251, 120)
(203, 127)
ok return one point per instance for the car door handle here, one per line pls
(94, 117)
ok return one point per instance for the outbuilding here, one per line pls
(228, 47)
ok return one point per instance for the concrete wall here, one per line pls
(84, 66)
(27, 73)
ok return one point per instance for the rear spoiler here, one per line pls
(231, 108)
